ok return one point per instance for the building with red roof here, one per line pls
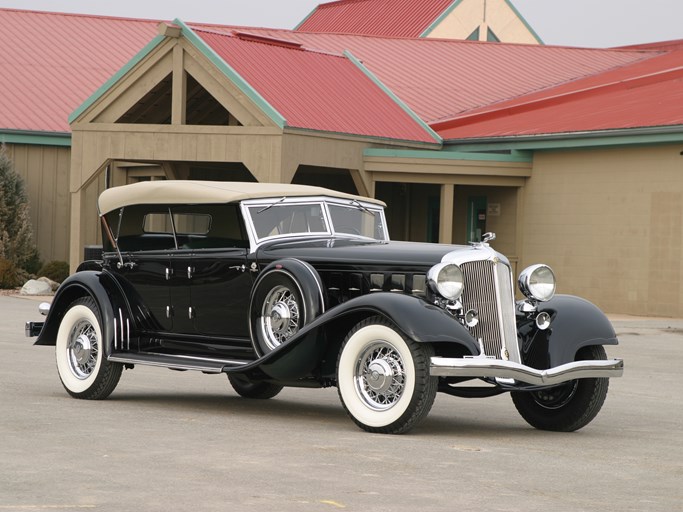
(473, 20)
(571, 155)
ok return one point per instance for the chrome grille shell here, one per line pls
(488, 289)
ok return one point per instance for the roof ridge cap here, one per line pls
(490, 111)
(80, 15)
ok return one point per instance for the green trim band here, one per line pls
(35, 138)
(523, 20)
(447, 154)
(393, 96)
(293, 130)
(615, 138)
(441, 17)
(306, 18)
(117, 76)
(231, 74)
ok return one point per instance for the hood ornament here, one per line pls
(485, 239)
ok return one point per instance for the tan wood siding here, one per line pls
(45, 170)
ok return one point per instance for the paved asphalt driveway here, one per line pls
(172, 441)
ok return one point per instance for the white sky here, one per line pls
(593, 23)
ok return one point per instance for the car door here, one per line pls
(146, 248)
(220, 288)
(211, 283)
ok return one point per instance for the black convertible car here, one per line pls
(284, 285)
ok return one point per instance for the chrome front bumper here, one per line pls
(480, 367)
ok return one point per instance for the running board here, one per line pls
(201, 364)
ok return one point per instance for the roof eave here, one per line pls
(437, 138)
(116, 77)
(35, 137)
(566, 140)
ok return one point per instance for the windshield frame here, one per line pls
(262, 205)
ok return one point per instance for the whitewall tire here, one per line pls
(383, 378)
(81, 362)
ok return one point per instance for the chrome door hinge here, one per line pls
(190, 271)
(169, 273)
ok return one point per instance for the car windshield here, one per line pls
(281, 218)
(356, 219)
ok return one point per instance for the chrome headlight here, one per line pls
(446, 280)
(537, 282)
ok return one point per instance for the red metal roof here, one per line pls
(51, 63)
(402, 18)
(643, 95)
(316, 90)
(440, 79)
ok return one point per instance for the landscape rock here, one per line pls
(53, 284)
(36, 287)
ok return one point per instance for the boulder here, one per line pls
(53, 284)
(35, 287)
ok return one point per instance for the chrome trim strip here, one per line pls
(125, 360)
(480, 367)
(187, 366)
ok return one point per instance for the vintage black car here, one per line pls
(285, 285)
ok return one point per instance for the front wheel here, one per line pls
(568, 406)
(383, 378)
(83, 368)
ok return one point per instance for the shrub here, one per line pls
(10, 276)
(58, 271)
(16, 232)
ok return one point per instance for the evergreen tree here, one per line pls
(16, 232)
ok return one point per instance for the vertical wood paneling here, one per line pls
(45, 171)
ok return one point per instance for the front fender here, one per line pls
(576, 323)
(96, 284)
(417, 319)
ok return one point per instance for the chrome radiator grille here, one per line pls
(488, 289)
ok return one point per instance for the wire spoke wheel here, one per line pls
(83, 349)
(280, 316)
(81, 363)
(380, 376)
(383, 378)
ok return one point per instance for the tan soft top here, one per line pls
(204, 192)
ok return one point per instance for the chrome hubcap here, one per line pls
(82, 349)
(380, 376)
(280, 316)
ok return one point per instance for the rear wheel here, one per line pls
(81, 362)
(383, 378)
(569, 406)
(249, 389)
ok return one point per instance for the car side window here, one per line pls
(209, 226)
(168, 227)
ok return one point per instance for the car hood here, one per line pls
(354, 252)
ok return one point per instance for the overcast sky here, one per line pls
(593, 23)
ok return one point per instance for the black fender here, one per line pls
(105, 292)
(575, 323)
(416, 318)
(304, 276)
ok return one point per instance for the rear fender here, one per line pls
(106, 294)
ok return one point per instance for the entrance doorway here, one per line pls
(476, 218)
